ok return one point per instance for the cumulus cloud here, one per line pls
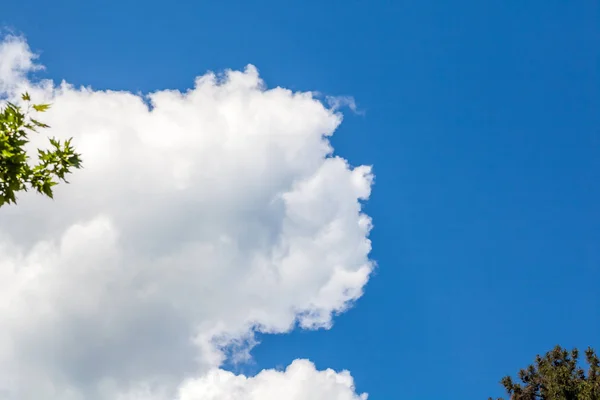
(299, 381)
(200, 218)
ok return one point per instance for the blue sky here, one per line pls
(482, 123)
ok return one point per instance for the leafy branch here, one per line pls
(16, 172)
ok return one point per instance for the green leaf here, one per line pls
(39, 124)
(41, 107)
(7, 154)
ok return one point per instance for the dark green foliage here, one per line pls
(16, 173)
(557, 376)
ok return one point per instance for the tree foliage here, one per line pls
(557, 376)
(17, 173)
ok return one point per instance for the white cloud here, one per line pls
(338, 102)
(216, 213)
(299, 381)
